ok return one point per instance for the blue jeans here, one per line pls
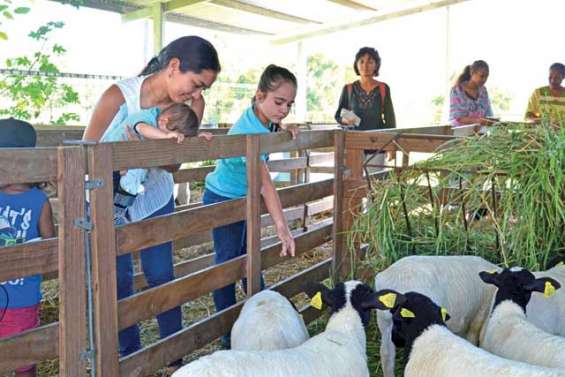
(230, 241)
(157, 264)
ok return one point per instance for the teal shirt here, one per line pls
(229, 179)
(117, 129)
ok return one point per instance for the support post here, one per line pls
(253, 203)
(72, 277)
(103, 248)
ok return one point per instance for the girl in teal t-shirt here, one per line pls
(272, 103)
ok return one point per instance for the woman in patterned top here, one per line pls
(468, 101)
(549, 101)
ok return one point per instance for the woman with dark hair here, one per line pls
(468, 101)
(549, 101)
(368, 99)
(179, 74)
(271, 104)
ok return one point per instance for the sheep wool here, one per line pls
(450, 281)
(439, 353)
(548, 313)
(510, 335)
(268, 322)
(337, 352)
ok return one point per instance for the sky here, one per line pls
(518, 38)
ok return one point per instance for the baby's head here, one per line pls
(179, 117)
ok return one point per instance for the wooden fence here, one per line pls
(69, 165)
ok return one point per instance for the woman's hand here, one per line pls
(292, 128)
(287, 247)
(486, 121)
(206, 135)
(346, 122)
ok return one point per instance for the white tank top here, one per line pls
(159, 183)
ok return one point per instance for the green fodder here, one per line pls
(500, 196)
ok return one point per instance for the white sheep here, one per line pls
(508, 333)
(549, 314)
(434, 351)
(268, 321)
(451, 281)
(337, 352)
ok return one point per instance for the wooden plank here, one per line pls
(282, 141)
(320, 206)
(320, 159)
(193, 174)
(151, 232)
(103, 249)
(407, 142)
(72, 278)
(29, 347)
(322, 169)
(27, 165)
(304, 242)
(156, 230)
(196, 336)
(296, 284)
(353, 4)
(287, 164)
(159, 299)
(29, 259)
(253, 215)
(156, 300)
(153, 153)
(55, 137)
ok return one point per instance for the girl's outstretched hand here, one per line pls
(206, 135)
(288, 246)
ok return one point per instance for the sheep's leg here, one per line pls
(388, 351)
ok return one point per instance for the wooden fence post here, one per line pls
(253, 203)
(103, 246)
(72, 277)
(339, 239)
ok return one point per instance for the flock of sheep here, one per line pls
(440, 309)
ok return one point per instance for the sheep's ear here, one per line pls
(489, 277)
(384, 300)
(547, 286)
(405, 313)
(444, 314)
(320, 295)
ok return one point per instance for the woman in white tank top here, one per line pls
(179, 74)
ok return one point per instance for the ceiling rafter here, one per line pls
(354, 4)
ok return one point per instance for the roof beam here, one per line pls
(352, 24)
(255, 9)
(149, 11)
(353, 4)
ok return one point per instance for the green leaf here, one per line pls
(3, 36)
(8, 15)
(22, 10)
(3, 8)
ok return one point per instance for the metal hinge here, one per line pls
(94, 184)
(83, 223)
(87, 355)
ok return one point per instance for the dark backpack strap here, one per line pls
(349, 91)
(382, 91)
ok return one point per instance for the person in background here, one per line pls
(369, 99)
(179, 74)
(469, 102)
(272, 102)
(549, 101)
(25, 216)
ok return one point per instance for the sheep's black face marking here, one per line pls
(361, 298)
(426, 313)
(516, 285)
(335, 298)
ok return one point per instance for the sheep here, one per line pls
(549, 314)
(434, 351)
(337, 352)
(451, 281)
(268, 321)
(508, 333)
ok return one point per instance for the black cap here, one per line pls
(16, 134)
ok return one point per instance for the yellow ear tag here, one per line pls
(405, 313)
(317, 301)
(549, 290)
(443, 314)
(560, 263)
(388, 299)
